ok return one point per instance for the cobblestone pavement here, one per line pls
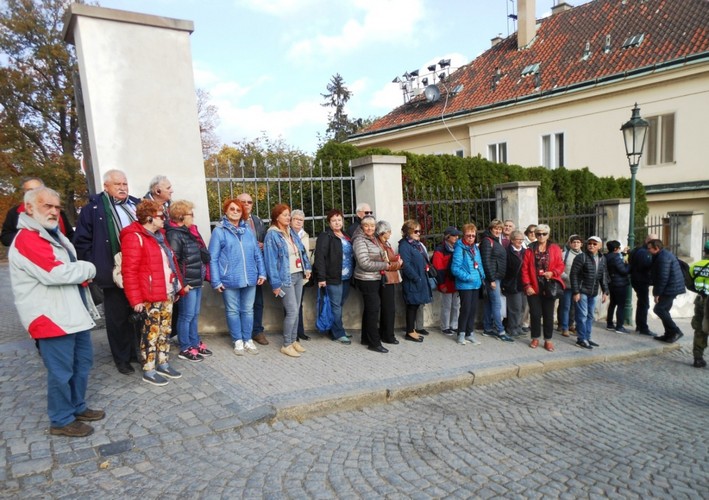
(621, 429)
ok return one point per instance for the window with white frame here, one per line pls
(553, 151)
(497, 152)
(459, 153)
(660, 140)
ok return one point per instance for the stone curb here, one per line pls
(336, 402)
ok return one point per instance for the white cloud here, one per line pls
(277, 7)
(382, 21)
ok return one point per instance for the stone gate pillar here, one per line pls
(518, 202)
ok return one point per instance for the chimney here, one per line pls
(496, 40)
(561, 7)
(526, 22)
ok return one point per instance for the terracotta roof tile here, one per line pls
(673, 29)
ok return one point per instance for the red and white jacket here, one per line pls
(46, 283)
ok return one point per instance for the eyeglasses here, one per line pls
(191, 214)
(470, 236)
(541, 234)
(160, 216)
(247, 202)
(592, 243)
(369, 213)
(417, 231)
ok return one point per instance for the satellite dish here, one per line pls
(432, 93)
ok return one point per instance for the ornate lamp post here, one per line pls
(634, 132)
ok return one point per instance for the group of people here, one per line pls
(151, 263)
(502, 267)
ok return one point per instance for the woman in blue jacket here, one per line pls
(236, 268)
(287, 266)
(467, 267)
(414, 278)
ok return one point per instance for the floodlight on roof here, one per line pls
(432, 67)
(444, 63)
(414, 73)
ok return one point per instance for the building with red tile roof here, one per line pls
(556, 93)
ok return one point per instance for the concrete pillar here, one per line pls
(379, 183)
(689, 227)
(139, 100)
(518, 201)
(615, 225)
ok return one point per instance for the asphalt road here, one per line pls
(620, 430)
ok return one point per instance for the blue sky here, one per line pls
(266, 62)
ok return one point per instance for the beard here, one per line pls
(49, 222)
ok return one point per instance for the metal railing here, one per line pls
(313, 188)
(565, 220)
(666, 227)
(438, 207)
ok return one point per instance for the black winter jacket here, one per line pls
(640, 260)
(328, 258)
(494, 257)
(667, 279)
(617, 270)
(187, 253)
(512, 282)
(585, 278)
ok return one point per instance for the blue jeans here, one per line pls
(492, 316)
(239, 305)
(68, 360)
(188, 318)
(338, 295)
(584, 316)
(291, 303)
(662, 309)
(565, 309)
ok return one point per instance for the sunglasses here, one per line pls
(247, 202)
(470, 236)
(369, 213)
(417, 231)
(541, 234)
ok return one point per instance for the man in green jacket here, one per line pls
(700, 321)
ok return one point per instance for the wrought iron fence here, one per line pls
(565, 220)
(438, 207)
(313, 188)
(666, 227)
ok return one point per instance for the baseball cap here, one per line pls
(451, 231)
(595, 238)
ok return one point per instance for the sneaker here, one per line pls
(422, 331)
(592, 343)
(489, 333)
(583, 344)
(299, 348)
(610, 327)
(622, 330)
(344, 340)
(190, 354)
(699, 363)
(239, 347)
(646, 332)
(168, 371)
(155, 379)
(472, 340)
(202, 349)
(250, 347)
(565, 333)
(290, 351)
(74, 429)
(448, 332)
(503, 337)
(461, 339)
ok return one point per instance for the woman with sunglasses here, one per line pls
(467, 268)
(415, 285)
(151, 283)
(542, 261)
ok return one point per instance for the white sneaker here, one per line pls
(461, 339)
(250, 347)
(239, 347)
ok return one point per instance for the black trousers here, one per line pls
(541, 310)
(387, 313)
(122, 335)
(370, 311)
(618, 295)
(468, 310)
(411, 312)
(642, 291)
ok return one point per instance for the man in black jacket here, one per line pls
(667, 283)
(640, 261)
(588, 273)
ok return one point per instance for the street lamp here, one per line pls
(634, 132)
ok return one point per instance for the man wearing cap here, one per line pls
(640, 261)
(450, 301)
(588, 273)
(700, 321)
(667, 283)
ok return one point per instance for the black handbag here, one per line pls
(550, 288)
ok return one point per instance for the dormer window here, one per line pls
(633, 41)
(530, 69)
